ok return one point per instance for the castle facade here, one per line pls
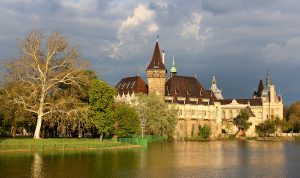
(198, 106)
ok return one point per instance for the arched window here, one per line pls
(230, 114)
(223, 115)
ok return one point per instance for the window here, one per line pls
(123, 85)
(259, 115)
(223, 115)
(181, 126)
(132, 84)
(230, 114)
(128, 84)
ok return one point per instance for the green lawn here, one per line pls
(29, 144)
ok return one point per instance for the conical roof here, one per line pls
(156, 61)
(173, 68)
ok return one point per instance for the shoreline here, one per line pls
(244, 139)
(11, 151)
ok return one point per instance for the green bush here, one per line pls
(204, 131)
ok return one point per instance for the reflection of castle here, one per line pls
(197, 105)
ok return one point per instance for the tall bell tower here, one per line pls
(156, 74)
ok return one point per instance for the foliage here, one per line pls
(127, 120)
(40, 71)
(292, 118)
(159, 118)
(101, 101)
(13, 115)
(204, 131)
(266, 128)
(241, 121)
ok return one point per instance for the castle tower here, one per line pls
(156, 74)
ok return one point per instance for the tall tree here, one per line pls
(158, 117)
(241, 121)
(127, 120)
(41, 69)
(101, 101)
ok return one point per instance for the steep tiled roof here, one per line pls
(132, 84)
(259, 89)
(182, 86)
(188, 87)
(253, 102)
(156, 61)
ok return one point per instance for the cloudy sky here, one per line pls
(238, 41)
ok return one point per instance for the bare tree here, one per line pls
(41, 70)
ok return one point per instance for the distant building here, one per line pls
(197, 105)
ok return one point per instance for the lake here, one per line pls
(178, 159)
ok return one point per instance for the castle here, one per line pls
(197, 105)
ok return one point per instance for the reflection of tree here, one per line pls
(36, 168)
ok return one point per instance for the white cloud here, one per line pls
(286, 53)
(191, 29)
(132, 31)
(140, 15)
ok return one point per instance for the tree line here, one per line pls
(49, 91)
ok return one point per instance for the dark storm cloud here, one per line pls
(220, 6)
(238, 41)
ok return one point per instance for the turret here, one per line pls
(215, 90)
(173, 70)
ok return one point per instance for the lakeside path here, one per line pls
(11, 145)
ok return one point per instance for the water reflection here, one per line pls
(189, 159)
(37, 165)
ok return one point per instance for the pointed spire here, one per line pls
(268, 79)
(214, 88)
(173, 69)
(156, 61)
(214, 81)
(260, 88)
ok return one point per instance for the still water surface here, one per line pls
(189, 159)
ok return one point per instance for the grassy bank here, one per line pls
(28, 144)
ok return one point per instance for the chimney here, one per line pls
(163, 56)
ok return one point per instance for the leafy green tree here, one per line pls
(101, 101)
(127, 120)
(241, 121)
(266, 128)
(204, 131)
(158, 117)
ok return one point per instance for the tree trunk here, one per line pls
(38, 127)
(13, 131)
(101, 137)
(237, 132)
(40, 115)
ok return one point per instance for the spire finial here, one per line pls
(173, 68)
(173, 62)
(157, 37)
(268, 79)
(214, 81)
